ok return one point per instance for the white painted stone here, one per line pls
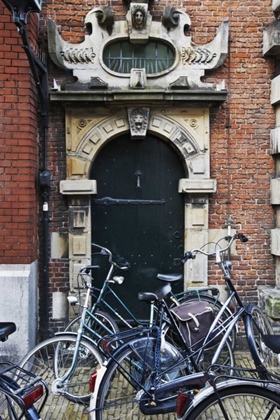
(275, 191)
(77, 187)
(60, 305)
(18, 304)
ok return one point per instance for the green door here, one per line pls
(143, 218)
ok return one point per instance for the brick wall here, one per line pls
(19, 149)
(240, 134)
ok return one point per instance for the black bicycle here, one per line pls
(144, 375)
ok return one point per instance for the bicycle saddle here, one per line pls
(272, 342)
(169, 278)
(6, 328)
(157, 295)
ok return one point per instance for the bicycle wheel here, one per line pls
(216, 305)
(52, 359)
(257, 325)
(247, 402)
(128, 375)
(101, 325)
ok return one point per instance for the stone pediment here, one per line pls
(138, 53)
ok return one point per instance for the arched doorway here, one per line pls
(147, 230)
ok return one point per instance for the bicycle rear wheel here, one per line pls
(128, 375)
(247, 402)
(101, 325)
(52, 359)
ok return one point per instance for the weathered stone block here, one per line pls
(275, 191)
(270, 301)
(275, 242)
(275, 141)
(271, 39)
(275, 91)
(276, 6)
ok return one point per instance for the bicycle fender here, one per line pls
(73, 334)
(92, 406)
(209, 390)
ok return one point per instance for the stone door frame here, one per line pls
(87, 131)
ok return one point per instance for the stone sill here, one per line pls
(207, 97)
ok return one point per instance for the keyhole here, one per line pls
(138, 179)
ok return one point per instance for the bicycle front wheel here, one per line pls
(52, 360)
(257, 325)
(247, 402)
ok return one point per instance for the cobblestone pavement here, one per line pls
(58, 408)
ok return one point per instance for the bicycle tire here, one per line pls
(216, 306)
(247, 402)
(257, 325)
(52, 358)
(111, 326)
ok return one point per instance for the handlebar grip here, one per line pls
(188, 256)
(90, 267)
(242, 238)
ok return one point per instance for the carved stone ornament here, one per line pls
(139, 16)
(183, 67)
(139, 22)
(138, 119)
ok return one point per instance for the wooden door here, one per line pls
(138, 213)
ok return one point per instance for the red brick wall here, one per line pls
(19, 149)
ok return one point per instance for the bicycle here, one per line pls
(231, 397)
(101, 319)
(19, 389)
(144, 388)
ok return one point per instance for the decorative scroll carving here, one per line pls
(170, 17)
(138, 119)
(77, 55)
(197, 55)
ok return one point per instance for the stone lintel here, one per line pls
(78, 187)
(187, 185)
(205, 97)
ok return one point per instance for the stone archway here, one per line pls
(187, 130)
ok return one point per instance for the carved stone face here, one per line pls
(138, 121)
(139, 19)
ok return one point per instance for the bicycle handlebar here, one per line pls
(191, 254)
(117, 261)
